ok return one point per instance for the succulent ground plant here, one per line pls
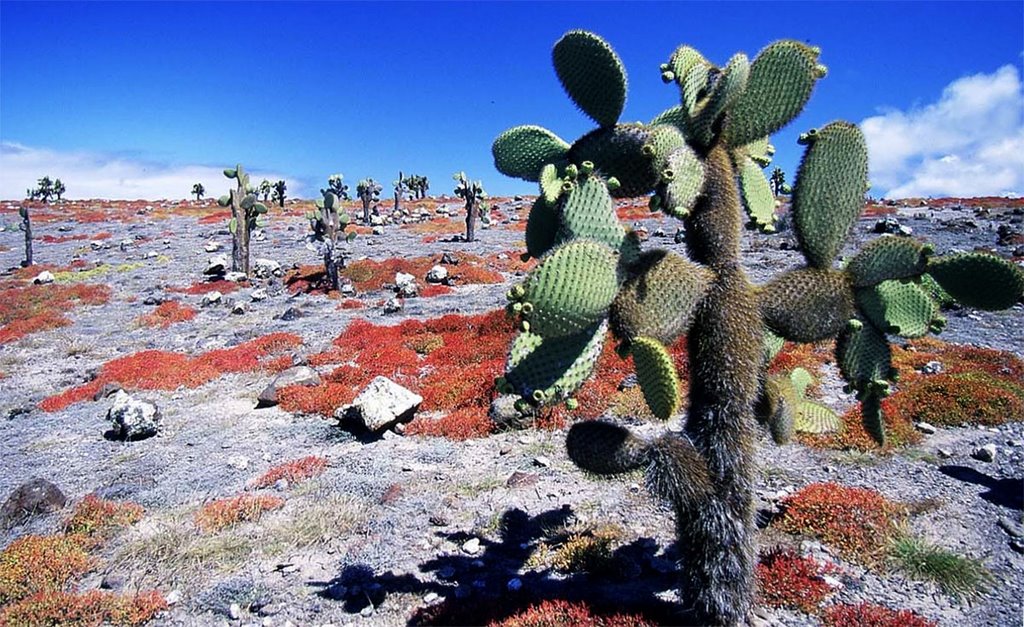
(701, 162)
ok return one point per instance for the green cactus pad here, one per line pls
(571, 289)
(592, 75)
(618, 152)
(657, 377)
(522, 151)
(673, 116)
(682, 182)
(541, 228)
(900, 307)
(772, 345)
(629, 251)
(224, 201)
(758, 199)
(776, 408)
(729, 86)
(801, 380)
(660, 299)
(979, 280)
(829, 191)
(661, 142)
(550, 184)
(761, 151)
(939, 295)
(588, 212)
(872, 417)
(557, 366)
(888, 257)
(807, 304)
(782, 77)
(863, 354)
(605, 448)
(693, 86)
(812, 417)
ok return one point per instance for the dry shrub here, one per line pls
(871, 615)
(293, 472)
(223, 513)
(788, 580)
(860, 523)
(94, 516)
(34, 564)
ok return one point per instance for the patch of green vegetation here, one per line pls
(69, 276)
(955, 574)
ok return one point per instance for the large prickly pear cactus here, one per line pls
(327, 222)
(475, 197)
(368, 191)
(701, 162)
(246, 215)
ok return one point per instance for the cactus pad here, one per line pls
(782, 77)
(807, 304)
(657, 377)
(812, 417)
(605, 448)
(863, 354)
(592, 75)
(659, 301)
(556, 367)
(978, 280)
(618, 151)
(682, 180)
(888, 257)
(673, 116)
(728, 86)
(777, 407)
(589, 213)
(571, 289)
(541, 228)
(758, 198)
(900, 307)
(829, 191)
(522, 151)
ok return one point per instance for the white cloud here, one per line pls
(969, 143)
(92, 175)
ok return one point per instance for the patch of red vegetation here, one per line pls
(634, 209)
(461, 424)
(60, 239)
(28, 308)
(34, 564)
(293, 472)
(94, 516)
(163, 370)
(511, 262)
(811, 357)
(434, 289)
(956, 359)
(217, 217)
(877, 210)
(788, 580)
(368, 274)
(223, 513)
(95, 607)
(871, 615)
(437, 227)
(166, 314)
(857, 521)
(569, 614)
(351, 303)
(205, 287)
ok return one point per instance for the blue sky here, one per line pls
(142, 99)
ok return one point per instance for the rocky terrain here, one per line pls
(395, 529)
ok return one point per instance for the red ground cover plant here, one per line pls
(561, 613)
(952, 400)
(60, 239)
(351, 303)
(632, 210)
(216, 217)
(164, 370)
(205, 287)
(858, 522)
(166, 314)
(368, 274)
(461, 424)
(293, 472)
(27, 308)
(788, 580)
(93, 608)
(98, 517)
(871, 615)
(223, 513)
(34, 564)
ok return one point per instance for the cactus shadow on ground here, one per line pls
(1007, 492)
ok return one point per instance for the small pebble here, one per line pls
(471, 546)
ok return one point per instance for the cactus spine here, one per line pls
(476, 202)
(368, 191)
(702, 160)
(246, 215)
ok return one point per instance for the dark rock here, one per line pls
(37, 496)
(292, 313)
(133, 419)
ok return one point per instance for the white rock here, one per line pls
(393, 305)
(265, 268)
(172, 597)
(985, 453)
(402, 279)
(133, 419)
(471, 546)
(212, 246)
(382, 403)
(925, 428)
(234, 611)
(258, 295)
(216, 264)
(238, 462)
(235, 277)
(43, 277)
(211, 298)
(437, 274)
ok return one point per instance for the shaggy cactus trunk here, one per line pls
(246, 213)
(26, 226)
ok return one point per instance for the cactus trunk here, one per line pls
(470, 221)
(240, 241)
(26, 225)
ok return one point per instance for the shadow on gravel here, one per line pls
(1003, 492)
(486, 586)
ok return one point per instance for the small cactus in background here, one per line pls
(368, 191)
(26, 226)
(703, 161)
(264, 190)
(45, 190)
(327, 221)
(246, 215)
(476, 202)
(401, 187)
(279, 193)
(417, 185)
(778, 182)
(198, 190)
(336, 185)
(58, 189)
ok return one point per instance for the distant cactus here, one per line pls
(778, 182)
(45, 190)
(327, 222)
(279, 193)
(198, 190)
(702, 160)
(369, 192)
(401, 187)
(473, 194)
(246, 215)
(417, 185)
(58, 189)
(264, 190)
(336, 185)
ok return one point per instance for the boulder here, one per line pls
(133, 419)
(216, 265)
(380, 405)
(437, 274)
(265, 268)
(299, 375)
(37, 496)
